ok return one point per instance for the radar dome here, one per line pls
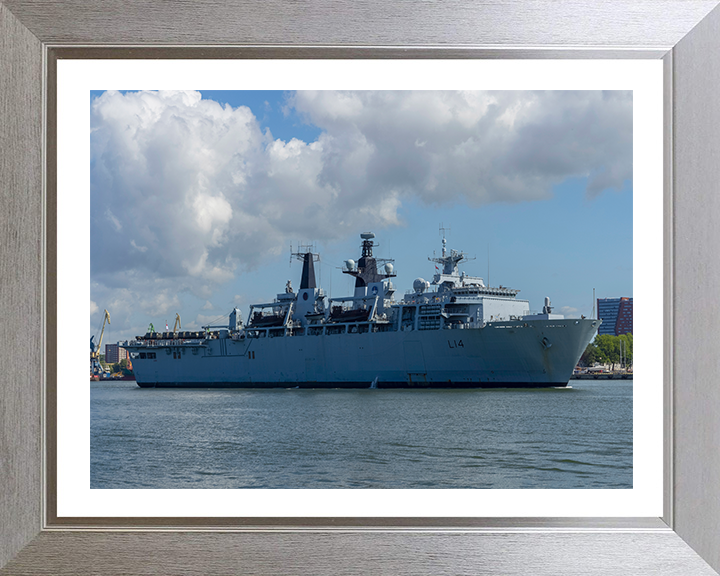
(367, 235)
(420, 285)
(388, 268)
(350, 264)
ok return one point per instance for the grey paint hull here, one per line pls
(536, 353)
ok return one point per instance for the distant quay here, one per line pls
(603, 376)
(131, 377)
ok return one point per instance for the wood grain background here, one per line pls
(696, 110)
(21, 199)
(374, 553)
(367, 23)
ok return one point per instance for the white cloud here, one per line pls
(569, 311)
(203, 320)
(479, 146)
(187, 193)
(114, 221)
(138, 248)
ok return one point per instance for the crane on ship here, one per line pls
(95, 367)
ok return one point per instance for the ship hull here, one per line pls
(356, 385)
(528, 354)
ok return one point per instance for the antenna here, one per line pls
(444, 241)
(329, 292)
(302, 249)
(488, 264)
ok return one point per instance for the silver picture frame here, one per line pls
(685, 34)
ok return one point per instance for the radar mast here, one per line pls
(449, 262)
(366, 271)
(306, 254)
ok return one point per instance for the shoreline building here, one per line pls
(616, 315)
(113, 354)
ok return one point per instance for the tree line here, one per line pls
(123, 366)
(609, 349)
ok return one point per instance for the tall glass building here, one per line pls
(616, 315)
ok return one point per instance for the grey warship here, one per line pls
(453, 332)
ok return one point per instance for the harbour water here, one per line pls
(579, 437)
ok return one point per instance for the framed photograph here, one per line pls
(465, 462)
(666, 523)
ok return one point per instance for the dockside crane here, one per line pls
(95, 367)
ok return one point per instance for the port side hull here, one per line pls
(537, 353)
(355, 385)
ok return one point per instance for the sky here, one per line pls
(197, 196)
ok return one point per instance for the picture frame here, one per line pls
(684, 34)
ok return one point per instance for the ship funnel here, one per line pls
(308, 272)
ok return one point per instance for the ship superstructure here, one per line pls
(452, 332)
